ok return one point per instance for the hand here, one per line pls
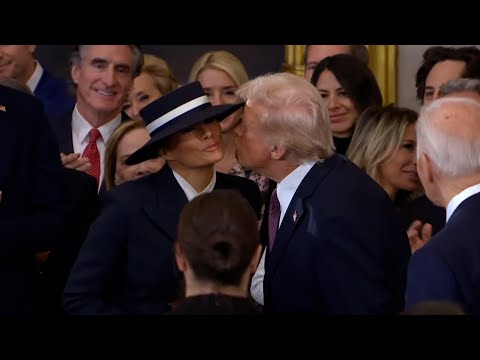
(0, 197)
(74, 161)
(419, 234)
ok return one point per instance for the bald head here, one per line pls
(456, 116)
(448, 131)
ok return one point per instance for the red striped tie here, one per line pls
(91, 152)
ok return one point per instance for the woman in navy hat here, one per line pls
(126, 265)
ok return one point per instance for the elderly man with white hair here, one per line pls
(448, 164)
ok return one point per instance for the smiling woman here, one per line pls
(382, 62)
(384, 145)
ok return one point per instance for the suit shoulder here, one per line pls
(248, 188)
(236, 180)
(15, 97)
(133, 192)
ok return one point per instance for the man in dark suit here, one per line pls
(336, 244)
(32, 206)
(83, 208)
(103, 76)
(18, 62)
(445, 269)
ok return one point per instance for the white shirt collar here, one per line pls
(289, 185)
(35, 78)
(189, 191)
(459, 198)
(81, 127)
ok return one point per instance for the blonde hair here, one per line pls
(112, 147)
(378, 135)
(161, 73)
(223, 61)
(295, 115)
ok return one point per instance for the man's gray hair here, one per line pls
(454, 150)
(458, 86)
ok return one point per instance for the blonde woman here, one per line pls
(384, 146)
(221, 73)
(155, 79)
(130, 136)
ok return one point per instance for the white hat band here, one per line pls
(182, 109)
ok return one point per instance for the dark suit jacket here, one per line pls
(447, 267)
(83, 208)
(344, 252)
(127, 265)
(32, 208)
(54, 94)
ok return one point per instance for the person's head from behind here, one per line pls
(316, 53)
(448, 147)
(441, 64)
(184, 129)
(463, 87)
(284, 121)
(384, 146)
(218, 246)
(103, 76)
(155, 79)
(130, 136)
(17, 61)
(348, 87)
(221, 73)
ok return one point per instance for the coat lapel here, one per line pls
(296, 211)
(164, 207)
(63, 130)
(7, 145)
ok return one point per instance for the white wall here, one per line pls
(409, 58)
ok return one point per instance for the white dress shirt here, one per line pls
(285, 191)
(188, 189)
(80, 136)
(35, 78)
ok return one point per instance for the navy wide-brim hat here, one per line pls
(180, 109)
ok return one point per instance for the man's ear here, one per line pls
(428, 168)
(277, 152)
(74, 73)
(180, 258)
